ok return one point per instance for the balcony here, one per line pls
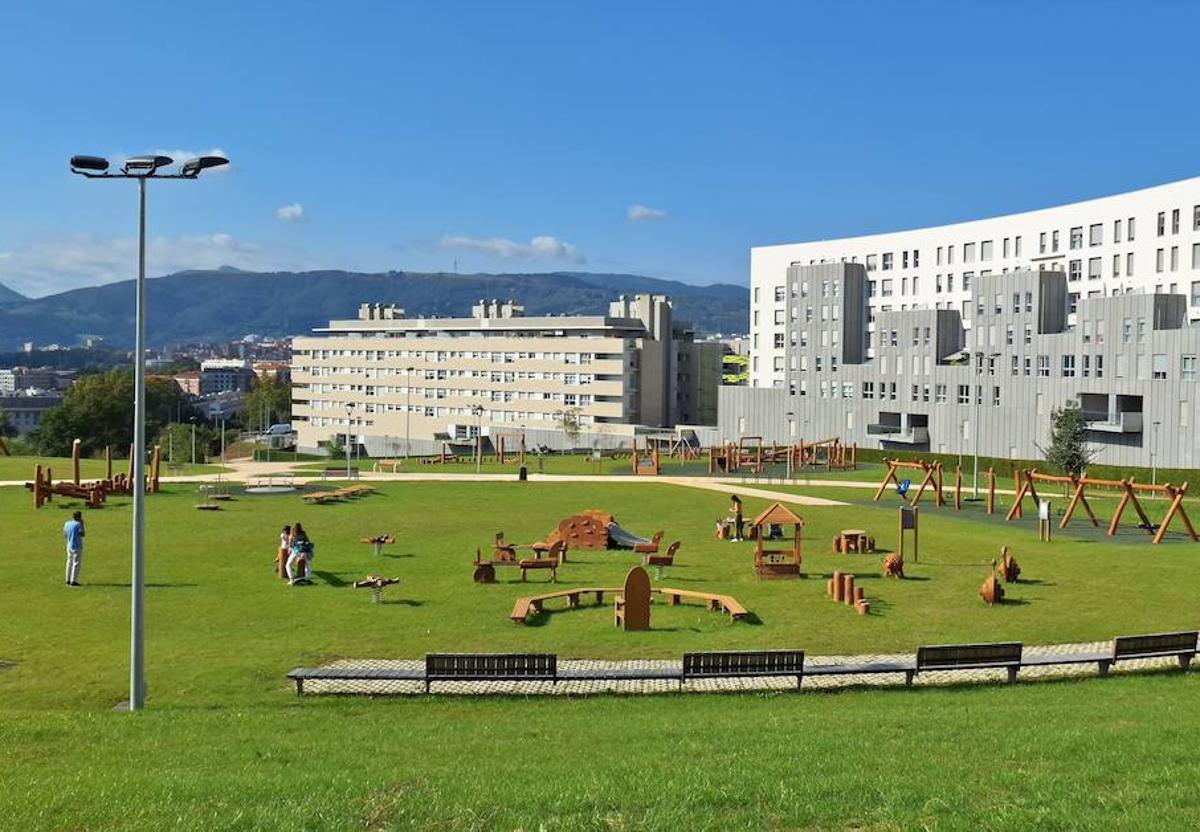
(898, 435)
(1125, 422)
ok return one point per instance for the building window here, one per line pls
(1099, 366)
(1068, 366)
(1095, 234)
(1158, 260)
(780, 294)
(1116, 265)
(885, 287)
(985, 250)
(995, 397)
(1141, 329)
(1077, 237)
(1129, 264)
(780, 316)
(1162, 223)
(871, 261)
(1158, 365)
(1042, 243)
(1054, 242)
(1027, 363)
(1174, 258)
(968, 252)
(939, 393)
(964, 394)
(778, 340)
(1175, 221)
(1017, 246)
(1004, 249)
(1116, 231)
(1093, 268)
(1028, 334)
(1187, 368)
(1072, 302)
(887, 261)
(1074, 269)
(1043, 366)
(1016, 365)
(1127, 331)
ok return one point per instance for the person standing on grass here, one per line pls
(735, 505)
(73, 535)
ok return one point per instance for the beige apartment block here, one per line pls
(398, 385)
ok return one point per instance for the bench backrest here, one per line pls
(1158, 644)
(672, 549)
(491, 666)
(968, 655)
(743, 663)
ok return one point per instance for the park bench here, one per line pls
(1006, 655)
(332, 472)
(524, 607)
(548, 560)
(488, 667)
(734, 664)
(1181, 645)
(300, 675)
(724, 603)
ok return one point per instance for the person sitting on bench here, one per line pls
(300, 547)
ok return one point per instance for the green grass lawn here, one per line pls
(225, 744)
(21, 467)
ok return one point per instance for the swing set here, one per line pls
(1130, 491)
(932, 479)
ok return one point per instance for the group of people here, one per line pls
(295, 546)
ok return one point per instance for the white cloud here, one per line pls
(544, 248)
(638, 213)
(50, 265)
(291, 213)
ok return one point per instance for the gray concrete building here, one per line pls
(917, 380)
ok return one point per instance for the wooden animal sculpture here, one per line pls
(991, 592)
(1009, 570)
(893, 566)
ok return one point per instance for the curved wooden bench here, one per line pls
(715, 602)
(525, 606)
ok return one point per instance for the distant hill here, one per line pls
(8, 296)
(225, 303)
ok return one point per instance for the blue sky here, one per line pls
(525, 136)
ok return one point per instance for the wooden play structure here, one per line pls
(842, 590)
(505, 555)
(1028, 480)
(661, 562)
(853, 540)
(831, 454)
(991, 592)
(645, 460)
(94, 493)
(1009, 571)
(525, 607)
(893, 566)
(589, 529)
(378, 542)
(751, 454)
(777, 563)
(375, 583)
(931, 478)
(337, 495)
(631, 609)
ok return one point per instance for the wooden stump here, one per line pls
(848, 589)
(838, 587)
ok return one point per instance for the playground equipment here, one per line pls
(94, 493)
(505, 555)
(893, 566)
(631, 609)
(660, 562)
(207, 501)
(590, 529)
(909, 517)
(378, 542)
(853, 540)
(932, 479)
(1027, 481)
(991, 592)
(525, 607)
(777, 563)
(375, 583)
(830, 453)
(842, 590)
(1009, 570)
(645, 461)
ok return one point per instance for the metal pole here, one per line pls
(348, 421)
(975, 427)
(479, 443)
(193, 440)
(1154, 457)
(222, 440)
(137, 682)
(408, 415)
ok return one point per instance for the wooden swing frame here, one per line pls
(933, 477)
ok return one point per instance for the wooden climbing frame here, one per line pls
(932, 478)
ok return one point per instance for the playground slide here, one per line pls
(623, 539)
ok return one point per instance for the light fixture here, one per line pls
(146, 164)
(192, 167)
(81, 163)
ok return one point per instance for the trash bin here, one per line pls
(522, 474)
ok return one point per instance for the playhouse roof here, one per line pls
(777, 513)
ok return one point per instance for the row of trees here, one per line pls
(98, 410)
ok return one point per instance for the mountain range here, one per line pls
(8, 296)
(228, 303)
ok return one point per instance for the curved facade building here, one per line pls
(1145, 241)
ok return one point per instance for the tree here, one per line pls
(98, 410)
(6, 428)
(568, 420)
(175, 439)
(1068, 450)
(270, 402)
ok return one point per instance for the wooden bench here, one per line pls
(549, 560)
(524, 607)
(723, 603)
(499, 667)
(335, 473)
(660, 562)
(733, 664)
(1006, 655)
(320, 496)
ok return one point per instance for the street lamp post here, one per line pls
(349, 411)
(193, 420)
(140, 168)
(1154, 455)
(477, 410)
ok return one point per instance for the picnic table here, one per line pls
(853, 540)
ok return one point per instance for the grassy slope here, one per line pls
(21, 467)
(223, 729)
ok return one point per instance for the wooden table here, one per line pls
(853, 540)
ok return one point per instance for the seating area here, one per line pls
(542, 667)
(349, 492)
(524, 607)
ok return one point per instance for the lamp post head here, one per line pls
(97, 164)
(192, 167)
(145, 165)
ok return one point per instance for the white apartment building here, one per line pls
(1145, 241)
(405, 385)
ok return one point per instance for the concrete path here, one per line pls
(567, 688)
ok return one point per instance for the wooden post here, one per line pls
(37, 486)
(839, 587)
(848, 591)
(991, 494)
(958, 487)
(75, 447)
(155, 464)
(108, 462)
(858, 595)
(1016, 510)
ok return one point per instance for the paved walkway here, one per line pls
(651, 686)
